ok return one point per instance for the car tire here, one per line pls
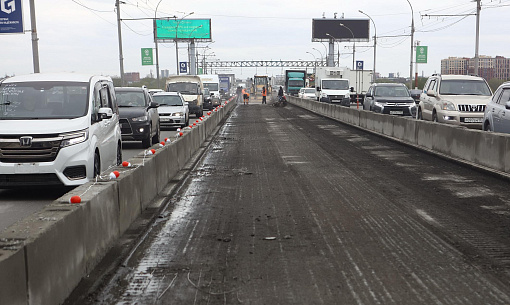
(146, 143)
(97, 165)
(419, 114)
(119, 154)
(155, 138)
(434, 117)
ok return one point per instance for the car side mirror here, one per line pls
(507, 105)
(186, 103)
(368, 95)
(318, 88)
(352, 89)
(104, 114)
(153, 105)
(431, 92)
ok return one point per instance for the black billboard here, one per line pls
(340, 29)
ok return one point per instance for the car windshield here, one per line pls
(464, 87)
(168, 100)
(183, 88)
(130, 98)
(391, 91)
(212, 86)
(311, 90)
(335, 84)
(43, 100)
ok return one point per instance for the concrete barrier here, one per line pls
(487, 150)
(44, 256)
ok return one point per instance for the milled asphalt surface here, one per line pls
(287, 207)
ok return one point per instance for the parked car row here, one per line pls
(462, 100)
(65, 129)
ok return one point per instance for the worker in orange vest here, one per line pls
(245, 96)
(264, 94)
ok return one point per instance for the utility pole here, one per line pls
(477, 57)
(121, 57)
(35, 43)
(412, 47)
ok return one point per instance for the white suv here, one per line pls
(57, 129)
(454, 99)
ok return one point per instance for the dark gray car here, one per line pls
(389, 99)
(139, 118)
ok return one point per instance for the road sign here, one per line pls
(146, 56)
(359, 65)
(11, 17)
(421, 54)
(183, 67)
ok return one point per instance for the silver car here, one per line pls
(173, 110)
(497, 112)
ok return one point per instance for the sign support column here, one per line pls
(35, 44)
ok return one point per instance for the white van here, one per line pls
(57, 129)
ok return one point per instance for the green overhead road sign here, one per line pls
(147, 57)
(421, 54)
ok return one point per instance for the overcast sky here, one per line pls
(81, 35)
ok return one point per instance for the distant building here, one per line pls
(488, 67)
(132, 77)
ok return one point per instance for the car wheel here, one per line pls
(97, 164)
(146, 143)
(487, 127)
(155, 138)
(119, 154)
(434, 117)
(419, 115)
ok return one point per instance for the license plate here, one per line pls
(397, 112)
(473, 120)
(164, 119)
(26, 168)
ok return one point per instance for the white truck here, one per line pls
(341, 84)
(212, 82)
(191, 89)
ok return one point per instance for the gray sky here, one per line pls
(81, 35)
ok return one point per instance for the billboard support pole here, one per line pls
(35, 43)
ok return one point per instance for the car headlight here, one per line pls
(178, 114)
(379, 104)
(69, 139)
(447, 106)
(140, 119)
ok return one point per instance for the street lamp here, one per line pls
(177, 41)
(375, 42)
(315, 61)
(412, 45)
(322, 57)
(353, 45)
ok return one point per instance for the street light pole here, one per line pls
(375, 43)
(477, 57)
(156, 43)
(353, 45)
(322, 57)
(315, 61)
(412, 45)
(121, 57)
(35, 43)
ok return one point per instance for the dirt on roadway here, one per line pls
(287, 207)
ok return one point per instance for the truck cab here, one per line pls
(191, 89)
